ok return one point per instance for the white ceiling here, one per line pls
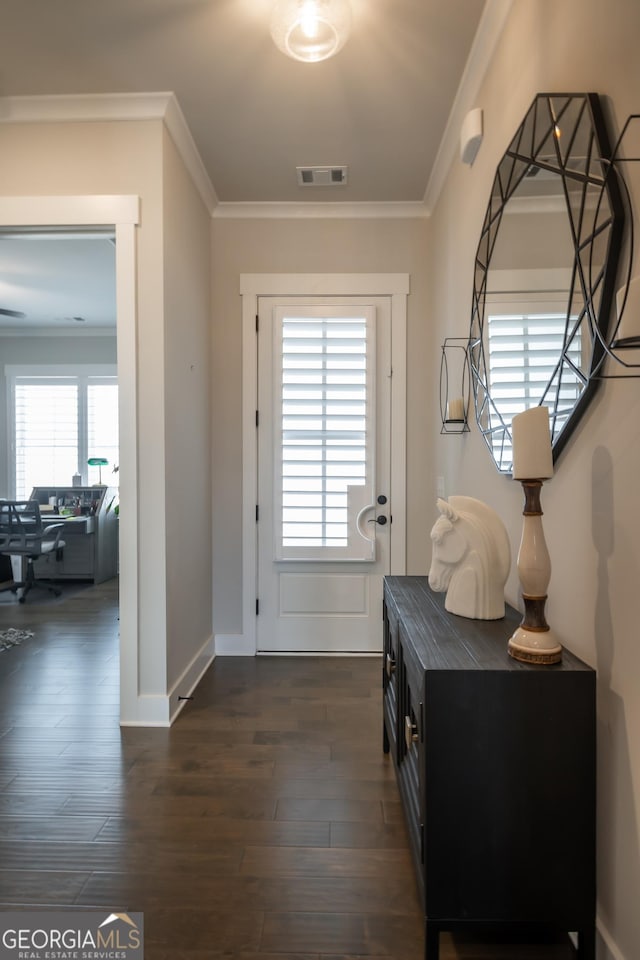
(380, 106)
(57, 281)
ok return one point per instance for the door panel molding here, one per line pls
(252, 287)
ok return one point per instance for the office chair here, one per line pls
(22, 534)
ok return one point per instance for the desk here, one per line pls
(91, 540)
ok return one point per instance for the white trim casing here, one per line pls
(97, 210)
(122, 212)
(127, 357)
(253, 286)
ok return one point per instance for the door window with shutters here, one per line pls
(324, 363)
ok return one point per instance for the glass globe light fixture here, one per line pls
(310, 30)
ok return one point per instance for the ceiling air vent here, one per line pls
(321, 176)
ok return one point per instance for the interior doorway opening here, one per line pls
(119, 215)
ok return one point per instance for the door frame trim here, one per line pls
(123, 213)
(253, 286)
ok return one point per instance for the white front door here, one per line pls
(324, 472)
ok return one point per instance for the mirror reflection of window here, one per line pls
(524, 342)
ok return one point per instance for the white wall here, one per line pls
(44, 350)
(302, 246)
(591, 519)
(187, 427)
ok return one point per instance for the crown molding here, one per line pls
(400, 210)
(492, 21)
(58, 108)
(86, 108)
(185, 144)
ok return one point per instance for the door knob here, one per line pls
(381, 520)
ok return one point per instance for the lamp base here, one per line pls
(534, 646)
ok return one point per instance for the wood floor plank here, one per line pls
(380, 769)
(332, 932)
(71, 855)
(288, 895)
(51, 828)
(216, 931)
(320, 862)
(220, 831)
(294, 808)
(31, 886)
(361, 834)
(324, 932)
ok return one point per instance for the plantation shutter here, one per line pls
(324, 415)
(102, 427)
(58, 422)
(46, 433)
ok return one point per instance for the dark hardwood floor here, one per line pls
(264, 824)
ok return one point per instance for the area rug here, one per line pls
(11, 637)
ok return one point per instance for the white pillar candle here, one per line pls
(532, 456)
(455, 409)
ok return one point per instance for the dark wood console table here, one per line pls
(496, 766)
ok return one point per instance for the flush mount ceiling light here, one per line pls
(310, 30)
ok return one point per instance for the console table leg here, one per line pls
(385, 739)
(587, 944)
(432, 941)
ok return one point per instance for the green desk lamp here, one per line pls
(98, 462)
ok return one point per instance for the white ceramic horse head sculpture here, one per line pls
(471, 558)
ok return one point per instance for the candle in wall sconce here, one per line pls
(533, 641)
(455, 409)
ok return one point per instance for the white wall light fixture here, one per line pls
(471, 135)
(310, 30)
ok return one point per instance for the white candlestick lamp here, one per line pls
(533, 641)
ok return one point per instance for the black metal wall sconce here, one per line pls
(455, 385)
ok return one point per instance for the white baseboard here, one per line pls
(152, 710)
(190, 678)
(160, 710)
(607, 949)
(234, 645)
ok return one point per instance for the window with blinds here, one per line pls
(523, 357)
(324, 392)
(58, 423)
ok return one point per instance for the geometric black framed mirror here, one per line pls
(545, 271)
